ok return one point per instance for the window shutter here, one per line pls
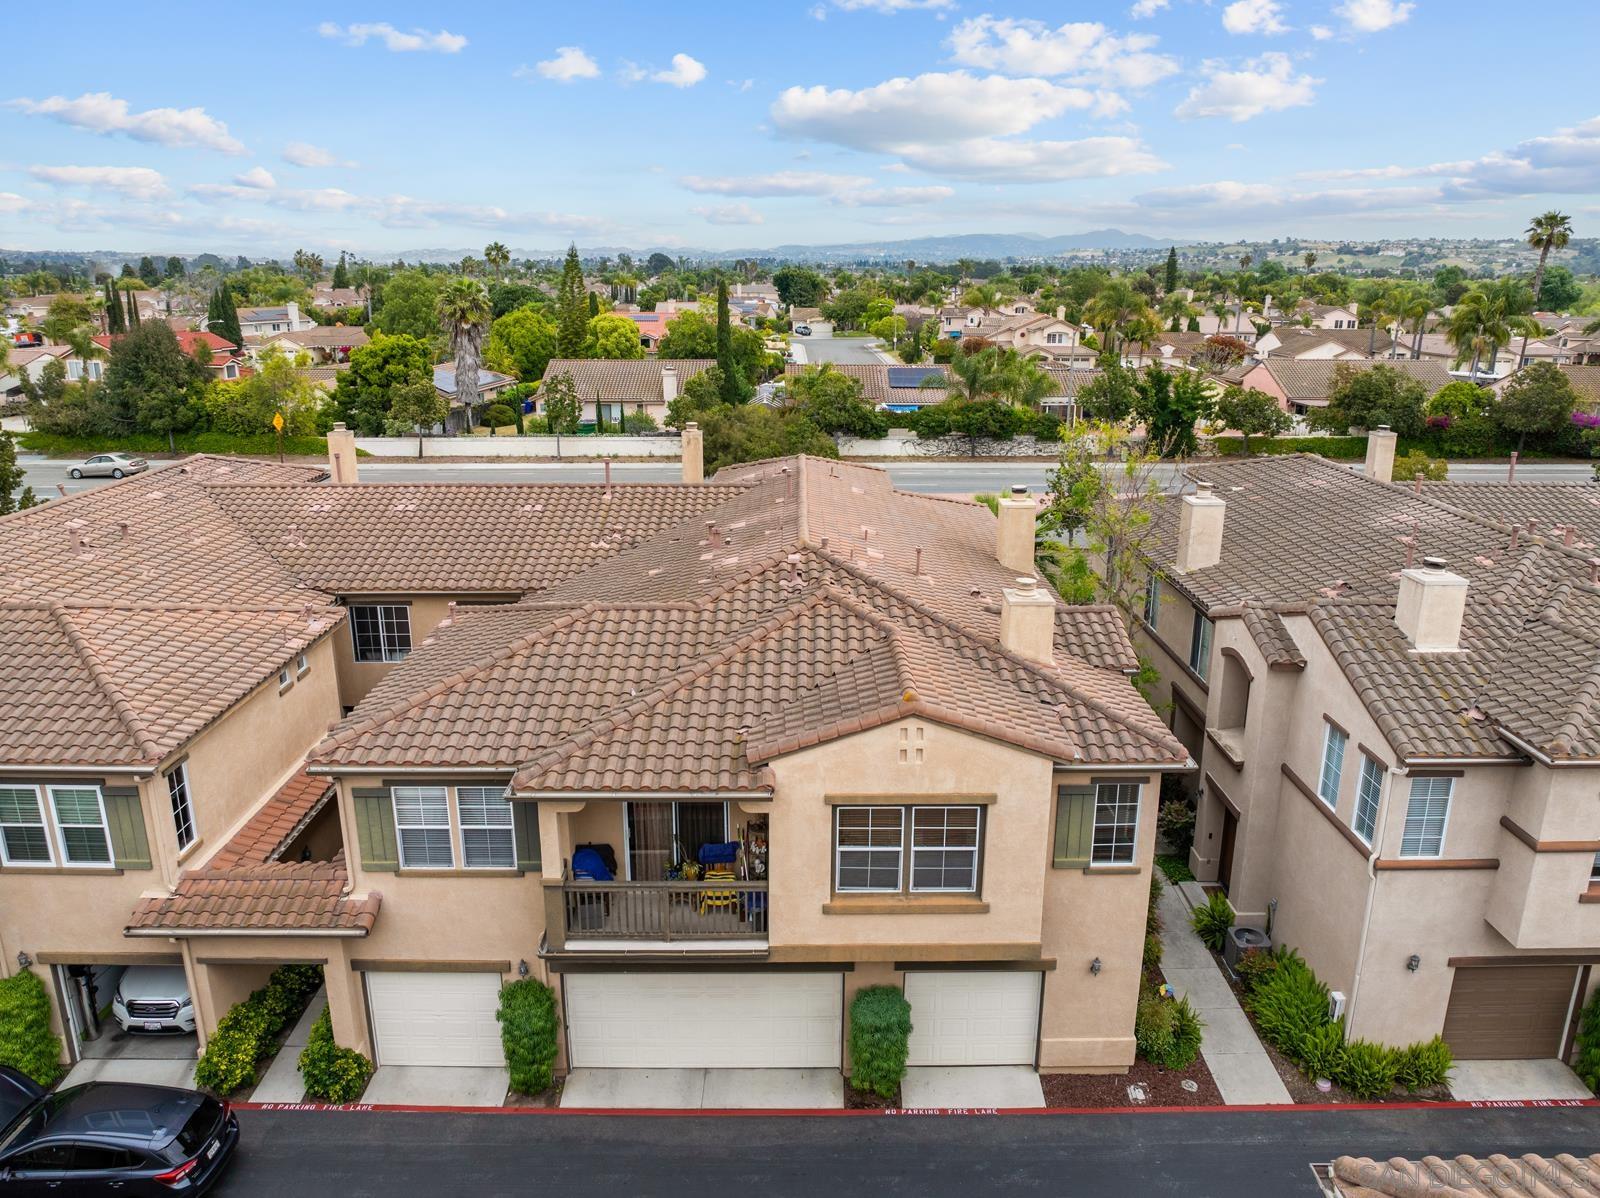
(526, 816)
(130, 847)
(375, 828)
(1074, 826)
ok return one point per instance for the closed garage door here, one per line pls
(973, 1017)
(704, 1020)
(1509, 1012)
(435, 1018)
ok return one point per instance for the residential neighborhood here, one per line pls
(1007, 599)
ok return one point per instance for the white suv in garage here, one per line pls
(154, 998)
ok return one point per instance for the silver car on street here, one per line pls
(110, 465)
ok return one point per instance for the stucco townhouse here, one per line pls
(435, 737)
(1390, 689)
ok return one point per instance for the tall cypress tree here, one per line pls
(571, 308)
(115, 317)
(228, 329)
(341, 273)
(133, 310)
(1172, 270)
(732, 390)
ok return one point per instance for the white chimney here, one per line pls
(1014, 541)
(1430, 606)
(342, 454)
(1200, 529)
(1028, 621)
(669, 384)
(694, 453)
(1380, 453)
(1061, 312)
(294, 315)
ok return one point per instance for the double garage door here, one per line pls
(1510, 1012)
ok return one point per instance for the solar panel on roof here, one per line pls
(912, 376)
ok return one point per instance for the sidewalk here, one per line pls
(1244, 1073)
(281, 1082)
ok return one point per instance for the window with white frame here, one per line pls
(81, 820)
(1369, 793)
(380, 631)
(1152, 600)
(944, 848)
(1200, 646)
(24, 839)
(302, 665)
(285, 679)
(1116, 823)
(868, 847)
(182, 808)
(1427, 812)
(488, 835)
(1594, 871)
(422, 827)
(1334, 741)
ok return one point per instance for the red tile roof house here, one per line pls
(933, 774)
(221, 358)
(1391, 691)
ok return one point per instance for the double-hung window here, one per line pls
(182, 809)
(488, 837)
(1427, 812)
(380, 631)
(1200, 646)
(1116, 823)
(1334, 741)
(81, 819)
(1369, 792)
(869, 847)
(24, 839)
(944, 848)
(422, 826)
(1152, 600)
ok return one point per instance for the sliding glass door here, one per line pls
(660, 834)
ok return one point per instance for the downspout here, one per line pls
(1372, 894)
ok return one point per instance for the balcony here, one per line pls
(634, 915)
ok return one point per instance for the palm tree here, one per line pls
(1245, 260)
(1548, 231)
(1025, 381)
(498, 257)
(1116, 304)
(1411, 302)
(971, 376)
(464, 311)
(1486, 318)
(1310, 259)
(1177, 312)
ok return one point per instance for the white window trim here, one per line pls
(899, 851)
(1444, 826)
(462, 828)
(105, 827)
(1094, 824)
(399, 840)
(285, 679)
(181, 770)
(1328, 733)
(47, 819)
(1200, 663)
(1152, 600)
(908, 831)
(1378, 773)
(302, 665)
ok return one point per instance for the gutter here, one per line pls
(334, 771)
(188, 933)
(691, 795)
(1541, 757)
(80, 771)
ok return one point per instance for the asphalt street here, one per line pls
(1196, 1154)
(828, 348)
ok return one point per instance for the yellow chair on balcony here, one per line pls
(719, 900)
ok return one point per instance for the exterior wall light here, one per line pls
(23, 960)
(1095, 967)
(1413, 962)
(522, 969)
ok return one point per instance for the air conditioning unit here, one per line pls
(1336, 1006)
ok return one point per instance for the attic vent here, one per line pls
(913, 742)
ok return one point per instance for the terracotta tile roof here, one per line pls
(623, 380)
(1541, 508)
(246, 888)
(336, 336)
(1585, 381)
(1298, 341)
(1272, 636)
(1466, 1177)
(875, 381)
(1311, 381)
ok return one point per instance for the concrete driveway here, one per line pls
(149, 1071)
(437, 1085)
(1004, 1087)
(704, 1089)
(1501, 1081)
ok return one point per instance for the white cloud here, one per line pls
(1147, 8)
(10, 202)
(137, 182)
(258, 177)
(569, 64)
(101, 112)
(1020, 161)
(1321, 32)
(779, 183)
(893, 197)
(1373, 16)
(684, 72)
(887, 6)
(395, 40)
(1254, 16)
(303, 153)
(730, 214)
(1265, 84)
(1081, 49)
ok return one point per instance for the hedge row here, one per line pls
(528, 1027)
(26, 1041)
(55, 446)
(331, 1073)
(1328, 447)
(249, 1031)
(880, 1034)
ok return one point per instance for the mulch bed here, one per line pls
(1108, 1090)
(866, 1100)
(549, 1098)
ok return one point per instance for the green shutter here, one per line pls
(375, 828)
(1074, 826)
(526, 815)
(130, 847)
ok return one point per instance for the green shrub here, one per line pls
(1367, 1070)
(53, 445)
(1253, 966)
(1322, 1051)
(331, 1073)
(1423, 1064)
(1176, 869)
(1212, 921)
(499, 415)
(880, 1027)
(1167, 1032)
(528, 1027)
(229, 1061)
(1343, 448)
(1152, 952)
(26, 1041)
(1175, 825)
(1588, 1062)
(1152, 912)
(1408, 465)
(1289, 1003)
(250, 1029)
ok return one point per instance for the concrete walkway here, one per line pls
(1244, 1073)
(705, 1089)
(1003, 1087)
(281, 1082)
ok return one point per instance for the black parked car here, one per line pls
(111, 1138)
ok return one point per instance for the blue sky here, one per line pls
(702, 124)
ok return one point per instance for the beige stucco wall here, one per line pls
(224, 969)
(356, 678)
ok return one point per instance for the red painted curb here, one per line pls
(807, 1113)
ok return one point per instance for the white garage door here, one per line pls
(973, 1017)
(435, 1018)
(704, 1020)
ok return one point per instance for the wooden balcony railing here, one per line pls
(664, 910)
